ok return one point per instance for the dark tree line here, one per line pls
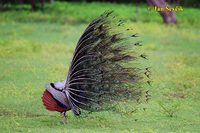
(190, 3)
(33, 3)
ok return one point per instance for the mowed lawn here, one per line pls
(37, 51)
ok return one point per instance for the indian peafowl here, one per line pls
(104, 69)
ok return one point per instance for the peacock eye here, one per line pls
(52, 85)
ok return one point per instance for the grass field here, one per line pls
(36, 48)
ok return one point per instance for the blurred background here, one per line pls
(37, 40)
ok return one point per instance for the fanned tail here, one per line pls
(105, 67)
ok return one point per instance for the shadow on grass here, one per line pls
(13, 113)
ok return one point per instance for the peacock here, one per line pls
(105, 69)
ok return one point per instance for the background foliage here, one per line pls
(186, 3)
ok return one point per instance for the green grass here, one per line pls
(36, 48)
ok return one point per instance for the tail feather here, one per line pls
(109, 56)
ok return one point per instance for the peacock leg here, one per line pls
(63, 118)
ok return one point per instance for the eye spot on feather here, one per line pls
(138, 44)
(134, 35)
(144, 56)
